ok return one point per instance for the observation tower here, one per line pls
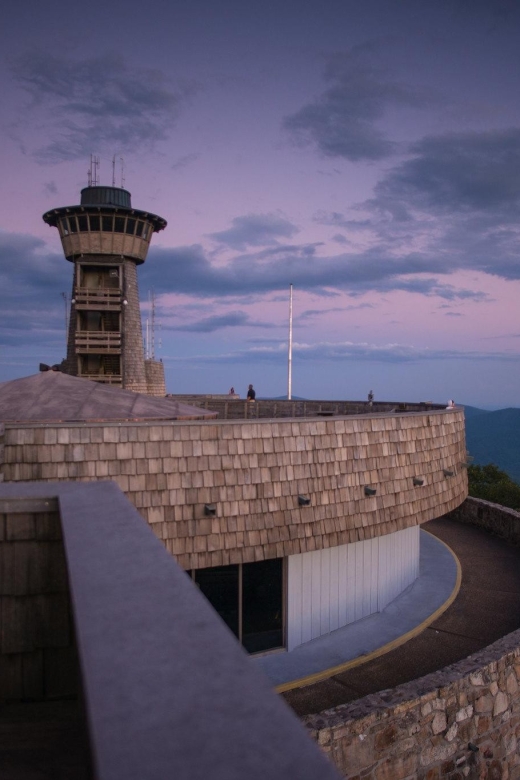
(106, 239)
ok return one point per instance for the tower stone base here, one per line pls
(154, 370)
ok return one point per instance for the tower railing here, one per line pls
(108, 299)
(98, 342)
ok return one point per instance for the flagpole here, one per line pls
(289, 380)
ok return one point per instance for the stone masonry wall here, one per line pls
(155, 383)
(463, 721)
(251, 474)
(495, 519)
(134, 377)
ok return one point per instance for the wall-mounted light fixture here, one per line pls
(418, 481)
(370, 491)
(210, 509)
(448, 473)
(73, 300)
(125, 303)
(304, 501)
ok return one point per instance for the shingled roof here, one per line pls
(55, 397)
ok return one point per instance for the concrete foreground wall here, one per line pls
(431, 728)
(250, 474)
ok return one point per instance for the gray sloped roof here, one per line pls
(53, 396)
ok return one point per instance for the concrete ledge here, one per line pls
(168, 690)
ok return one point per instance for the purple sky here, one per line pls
(369, 153)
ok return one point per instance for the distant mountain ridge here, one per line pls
(494, 437)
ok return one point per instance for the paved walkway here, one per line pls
(346, 647)
(487, 607)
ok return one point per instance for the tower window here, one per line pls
(139, 230)
(94, 222)
(64, 226)
(108, 224)
(83, 223)
(130, 226)
(119, 226)
(73, 225)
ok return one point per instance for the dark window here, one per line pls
(94, 222)
(64, 226)
(83, 223)
(119, 226)
(108, 224)
(146, 229)
(249, 598)
(73, 225)
(220, 586)
(139, 230)
(130, 226)
(262, 590)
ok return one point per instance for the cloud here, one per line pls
(50, 188)
(341, 352)
(101, 103)
(342, 122)
(463, 171)
(188, 270)
(255, 230)
(185, 161)
(231, 319)
(339, 238)
(31, 280)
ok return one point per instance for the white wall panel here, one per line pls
(330, 588)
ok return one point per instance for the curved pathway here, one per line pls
(486, 608)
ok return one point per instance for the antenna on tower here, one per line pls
(93, 171)
(114, 171)
(152, 328)
(122, 173)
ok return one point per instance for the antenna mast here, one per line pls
(289, 379)
(114, 171)
(122, 173)
(152, 350)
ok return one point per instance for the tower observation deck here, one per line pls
(106, 239)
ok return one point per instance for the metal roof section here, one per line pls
(51, 396)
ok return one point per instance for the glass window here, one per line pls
(108, 224)
(146, 229)
(94, 222)
(64, 226)
(139, 230)
(83, 223)
(220, 586)
(73, 225)
(130, 226)
(249, 598)
(262, 589)
(119, 225)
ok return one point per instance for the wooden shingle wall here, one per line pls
(37, 651)
(252, 474)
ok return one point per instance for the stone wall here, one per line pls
(155, 383)
(495, 519)
(219, 493)
(37, 649)
(134, 377)
(462, 721)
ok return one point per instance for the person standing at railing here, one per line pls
(251, 395)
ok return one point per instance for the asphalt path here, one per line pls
(487, 608)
